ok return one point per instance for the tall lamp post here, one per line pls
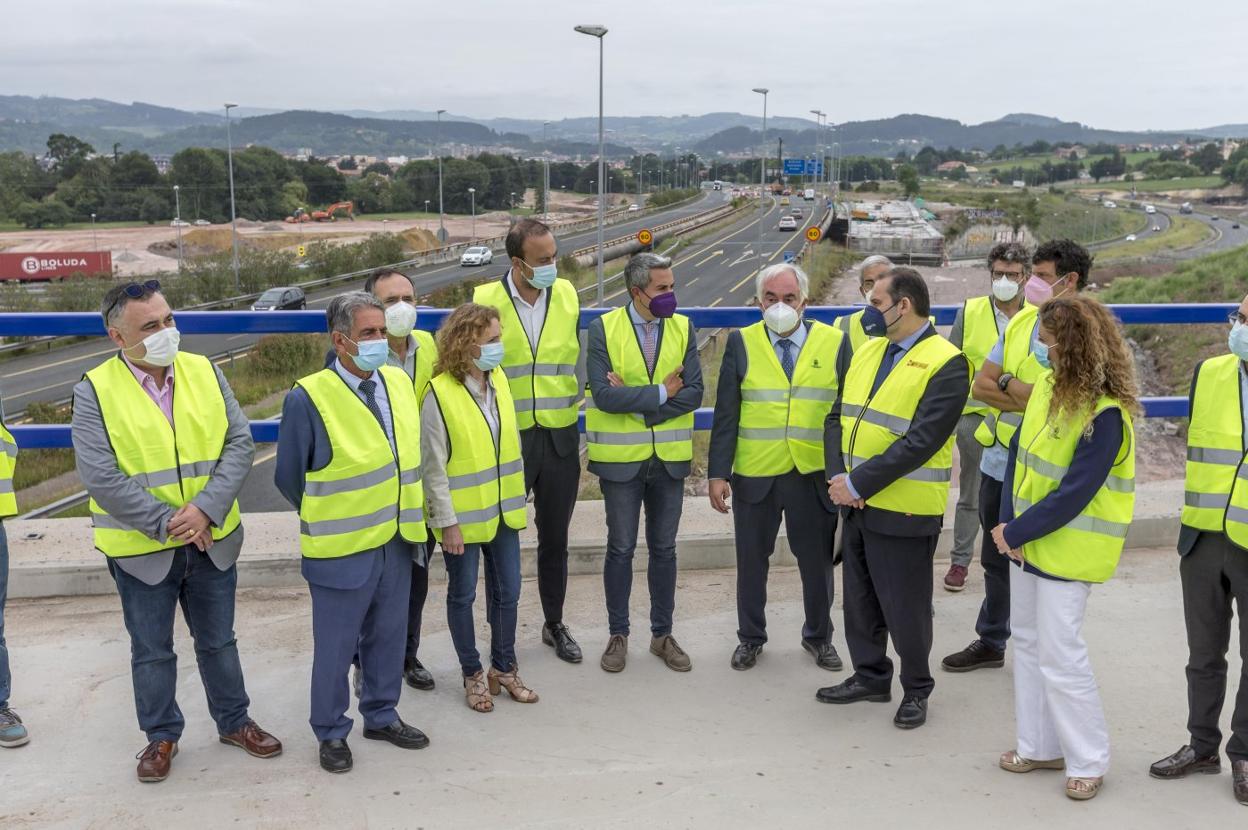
(95, 243)
(441, 213)
(472, 192)
(177, 223)
(762, 177)
(818, 145)
(545, 172)
(599, 32)
(229, 155)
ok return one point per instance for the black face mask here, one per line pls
(874, 322)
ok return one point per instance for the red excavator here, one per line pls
(326, 215)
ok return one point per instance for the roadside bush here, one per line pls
(668, 197)
(286, 354)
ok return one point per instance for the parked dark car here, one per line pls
(281, 299)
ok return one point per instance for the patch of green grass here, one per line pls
(1182, 233)
(276, 362)
(1154, 185)
(1035, 162)
(86, 226)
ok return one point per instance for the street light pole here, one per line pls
(95, 244)
(472, 191)
(818, 175)
(545, 172)
(177, 223)
(600, 33)
(229, 154)
(762, 178)
(441, 213)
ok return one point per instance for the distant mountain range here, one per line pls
(26, 122)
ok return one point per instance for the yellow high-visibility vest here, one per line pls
(368, 492)
(1087, 549)
(486, 479)
(870, 424)
(851, 326)
(781, 424)
(422, 366)
(622, 438)
(172, 462)
(1216, 487)
(979, 335)
(543, 385)
(1000, 426)
(8, 461)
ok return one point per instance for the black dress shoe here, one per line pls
(911, 714)
(851, 691)
(557, 635)
(399, 734)
(417, 676)
(1239, 778)
(335, 756)
(978, 655)
(745, 656)
(1183, 762)
(825, 655)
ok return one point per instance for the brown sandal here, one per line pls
(1013, 762)
(1082, 789)
(478, 693)
(511, 681)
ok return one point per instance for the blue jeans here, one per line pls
(502, 596)
(207, 599)
(5, 678)
(664, 499)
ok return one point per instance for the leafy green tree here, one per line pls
(203, 181)
(372, 193)
(379, 167)
(908, 178)
(294, 196)
(68, 153)
(1207, 159)
(21, 181)
(153, 209)
(349, 163)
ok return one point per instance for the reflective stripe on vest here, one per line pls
(544, 386)
(486, 480)
(1216, 479)
(621, 438)
(426, 357)
(171, 462)
(364, 496)
(851, 326)
(8, 460)
(1018, 361)
(1088, 547)
(870, 424)
(781, 422)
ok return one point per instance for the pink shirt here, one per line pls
(162, 396)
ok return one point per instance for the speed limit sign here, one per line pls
(301, 251)
(813, 233)
(644, 236)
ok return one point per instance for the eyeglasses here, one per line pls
(998, 275)
(1235, 317)
(135, 291)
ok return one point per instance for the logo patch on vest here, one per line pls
(916, 364)
(815, 364)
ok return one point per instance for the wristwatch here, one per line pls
(1004, 380)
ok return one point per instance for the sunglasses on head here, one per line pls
(135, 291)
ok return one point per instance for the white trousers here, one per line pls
(1056, 702)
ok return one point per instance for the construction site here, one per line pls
(902, 231)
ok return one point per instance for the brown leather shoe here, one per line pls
(670, 653)
(254, 741)
(154, 761)
(1239, 777)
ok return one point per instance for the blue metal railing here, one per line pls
(46, 436)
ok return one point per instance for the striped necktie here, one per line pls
(648, 343)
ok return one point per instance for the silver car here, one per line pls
(477, 255)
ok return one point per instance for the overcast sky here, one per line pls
(1119, 64)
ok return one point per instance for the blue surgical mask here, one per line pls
(873, 321)
(372, 354)
(543, 275)
(1238, 341)
(491, 357)
(1041, 351)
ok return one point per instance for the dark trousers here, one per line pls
(370, 618)
(416, 603)
(1214, 573)
(811, 529)
(993, 625)
(5, 677)
(887, 587)
(553, 480)
(502, 599)
(664, 499)
(207, 599)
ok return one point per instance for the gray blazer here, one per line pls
(129, 502)
(643, 400)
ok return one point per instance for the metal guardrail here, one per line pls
(49, 436)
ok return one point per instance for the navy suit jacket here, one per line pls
(303, 445)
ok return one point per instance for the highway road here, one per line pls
(717, 270)
(51, 375)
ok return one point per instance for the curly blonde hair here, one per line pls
(457, 336)
(1093, 358)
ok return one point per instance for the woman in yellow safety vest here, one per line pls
(474, 492)
(1068, 498)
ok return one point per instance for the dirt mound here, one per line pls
(206, 240)
(418, 240)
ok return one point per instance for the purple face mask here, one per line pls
(663, 305)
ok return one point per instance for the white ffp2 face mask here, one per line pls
(1004, 289)
(161, 347)
(781, 318)
(400, 319)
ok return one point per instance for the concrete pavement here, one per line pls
(646, 748)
